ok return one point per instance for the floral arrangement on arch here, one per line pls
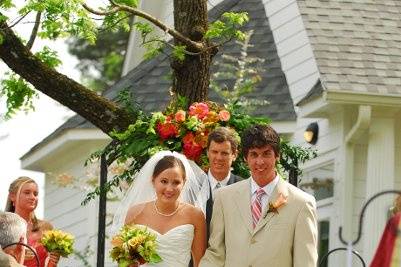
(182, 130)
(185, 130)
(190, 129)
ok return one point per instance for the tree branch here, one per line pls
(103, 113)
(19, 19)
(197, 46)
(34, 31)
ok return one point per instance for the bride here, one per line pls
(168, 197)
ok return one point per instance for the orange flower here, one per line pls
(224, 115)
(180, 116)
(117, 241)
(199, 110)
(211, 118)
(280, 201)
(201, 138)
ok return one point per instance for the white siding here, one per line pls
(293, 46)
(63, 205)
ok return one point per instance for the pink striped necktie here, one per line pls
(257, 206)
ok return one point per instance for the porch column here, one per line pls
(380, 176)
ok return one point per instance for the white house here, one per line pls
(337, 63)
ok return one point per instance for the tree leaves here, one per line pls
(228, 27)
(19, 94)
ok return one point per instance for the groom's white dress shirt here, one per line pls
(269, 188)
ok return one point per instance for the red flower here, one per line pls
(199, 110)
(191, 149)
(167, 130)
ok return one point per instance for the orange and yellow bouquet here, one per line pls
(134, 245)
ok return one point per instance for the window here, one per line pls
(323, 246)
(319, 181)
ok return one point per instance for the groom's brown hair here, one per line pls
(259, 135)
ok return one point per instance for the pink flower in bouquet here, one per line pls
(199, 110)
(167, 130)
(180, 116)
(224, 115)
(191, 149)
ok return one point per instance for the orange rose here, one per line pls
(224, 115)
(180, 116)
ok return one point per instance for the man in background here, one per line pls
(222, 151)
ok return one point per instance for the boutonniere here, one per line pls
(275, 205)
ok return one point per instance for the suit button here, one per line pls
(253, 241)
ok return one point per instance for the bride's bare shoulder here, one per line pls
(134, 212)
(194, 212)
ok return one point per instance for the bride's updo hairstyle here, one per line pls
(168, 162)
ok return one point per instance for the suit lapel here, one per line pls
(266, 217)
(242, 198)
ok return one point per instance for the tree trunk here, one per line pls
(191, 77)
(103, 113)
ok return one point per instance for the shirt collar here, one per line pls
(269, 188)
(213, 181)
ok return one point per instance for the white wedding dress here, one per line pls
(174, 247)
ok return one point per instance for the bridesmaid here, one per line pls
(23, 200)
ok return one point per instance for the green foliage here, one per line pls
(100, 64)
(144, 28)
(245, 71)
(292, 155)
(153, 49)
(119, 21)
(228, 27)
(179, 52)
(6, 4)
(19, 94)
(126, 99)
(49, 57)
(131, 3)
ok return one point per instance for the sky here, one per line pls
(24, 130)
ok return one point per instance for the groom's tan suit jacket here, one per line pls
(284, 239)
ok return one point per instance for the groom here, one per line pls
(262, 221)
(222, 150)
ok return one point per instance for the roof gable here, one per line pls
(357, 44)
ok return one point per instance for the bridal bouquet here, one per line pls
(58, 241)
(134, 245)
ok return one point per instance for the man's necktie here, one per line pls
(218, 185)
(257, 206)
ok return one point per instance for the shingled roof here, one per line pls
(356, 43)
(150, 86)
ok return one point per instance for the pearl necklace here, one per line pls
(163, 214)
